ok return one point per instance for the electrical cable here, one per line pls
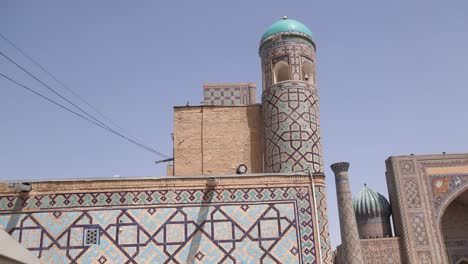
(52, 89)
(84, 117)
(66, 87)
(101, 124)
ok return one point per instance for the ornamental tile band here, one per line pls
(214, 226)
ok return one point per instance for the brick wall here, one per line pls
(216, 139)
(377, 251)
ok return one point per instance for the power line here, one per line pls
(101, 124)
(53, 90)
(84, 117)
(65, 86)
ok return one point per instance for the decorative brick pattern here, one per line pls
(292, 128)
(350, 252)
(296, 49)
(422, 189)
(425, 258)
(382, 251)
(273, 225)
(412, 194)
(407, 167)
(419, 230)
(290, 109)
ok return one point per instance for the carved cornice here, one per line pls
(340, 167)
(212, 182)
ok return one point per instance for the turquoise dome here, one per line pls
(369, 203)
(286, 25)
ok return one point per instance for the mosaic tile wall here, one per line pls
(229, 94)
(292, 128)
(294, 51)
(420, 188)
(251, 225)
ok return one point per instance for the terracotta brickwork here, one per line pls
(381, 250)
(377, 251)
(376, 227)
(213, 140)
(420, 189)
(239, 219)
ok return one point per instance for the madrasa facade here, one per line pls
(246, 185)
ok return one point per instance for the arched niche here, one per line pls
(281, 72)
(454, 227)
(307, 69)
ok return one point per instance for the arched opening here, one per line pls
(281, 72)
(454, 227)
(308, 71)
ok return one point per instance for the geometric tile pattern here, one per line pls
(222, 96)
(294, 49)
(258, 225)
(321, 197)
(229, 95)
(292, 128)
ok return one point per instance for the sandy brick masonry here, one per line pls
(212, 140)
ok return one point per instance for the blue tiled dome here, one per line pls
(286, 25)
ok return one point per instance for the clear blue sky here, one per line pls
(392, 77)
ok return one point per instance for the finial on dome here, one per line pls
(365, 184)
(285, 17)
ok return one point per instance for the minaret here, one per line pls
(351, 252)
(289, 99)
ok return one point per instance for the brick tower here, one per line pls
(351, 252)
(290, 101)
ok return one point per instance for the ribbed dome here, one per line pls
(369, 203)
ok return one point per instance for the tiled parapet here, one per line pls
(229, 94)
